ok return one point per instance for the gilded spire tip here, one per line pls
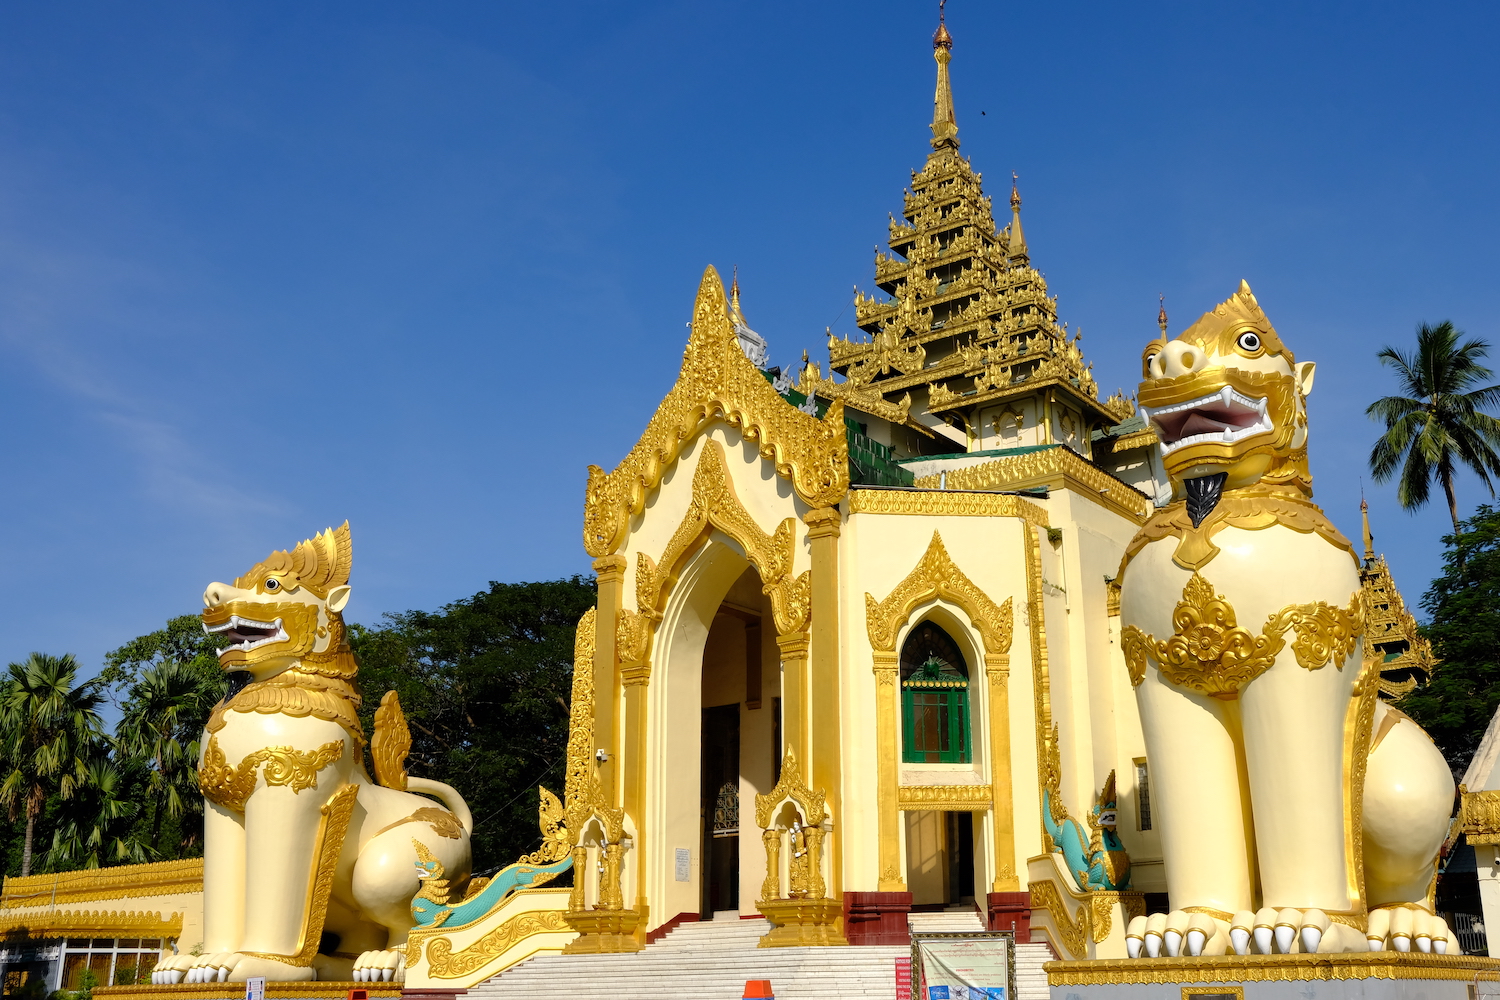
(1161, 315)
(1015, 191)
(944, 124)
(941, 39)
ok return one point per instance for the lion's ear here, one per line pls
(337, 598)
(1305, 377)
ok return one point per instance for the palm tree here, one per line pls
(162, 724)
(96, 830)
(1437, 424)
(48, 731)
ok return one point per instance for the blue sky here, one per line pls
(266, 267)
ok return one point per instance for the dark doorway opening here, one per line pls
(961, 858)
(721, 809)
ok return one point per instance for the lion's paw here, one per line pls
(1407, 927)
(171, 969)
(1177, 933)
(381, 966)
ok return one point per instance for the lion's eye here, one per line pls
(1249, 342)
(273, 584)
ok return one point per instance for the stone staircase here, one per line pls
(712, 959)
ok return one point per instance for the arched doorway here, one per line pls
(739, 734)
(937, 733)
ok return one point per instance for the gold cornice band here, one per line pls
(945, 503)
(160, 878)
(717, 382)
(945, 798)
(1270, 968)
(1059, 466)
(92, 922)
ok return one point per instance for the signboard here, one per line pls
(978, 966)
(684, 868)
(903, 979)
(255, 988)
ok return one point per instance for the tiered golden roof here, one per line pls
(965, 318)
(1391, 637)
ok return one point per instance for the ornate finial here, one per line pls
(734, 292)
(1017, 238)
(804, 357)
(1161, 315)
(1364, 511)
(944, 125)
(1015, 191)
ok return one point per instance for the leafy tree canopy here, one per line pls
(485, 684)
(1464, 606)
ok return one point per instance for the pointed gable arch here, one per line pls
(717, 382)
(937, 576)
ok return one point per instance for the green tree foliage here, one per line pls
(166, 684)
(1464, 608)
(99, 827)
(51, 730)
(1437, 425)
(485, 684)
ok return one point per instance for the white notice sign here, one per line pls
(255, 988)
(684, 864)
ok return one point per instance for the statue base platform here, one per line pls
(1354, 976)
(236, 991)
(799, 923)
(602, 932)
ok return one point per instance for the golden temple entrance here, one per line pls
(940, 857)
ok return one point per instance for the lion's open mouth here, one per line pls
(1226, 416)
(245, 633)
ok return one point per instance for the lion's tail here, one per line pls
(448, 796)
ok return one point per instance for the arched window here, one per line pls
(934, 699)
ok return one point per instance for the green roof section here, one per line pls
(872, 463)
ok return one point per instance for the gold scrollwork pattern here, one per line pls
(1209, 652)
(445, 963)
(231, 787)
(717, 382)
(715, 505)
(936, 575)
(945, 798)
(1072, 930)
(391, 742)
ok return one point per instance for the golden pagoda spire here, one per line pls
(944, 125)
(1017, 240)
(1364, 510)
(1161, 315)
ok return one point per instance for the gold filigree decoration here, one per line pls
(946, 798)
(298, 693)
(1048, 753)
(552, 819)
(715, 505)
(1221, 969)
(1057, 466)
(332, 827)
(937, 576)
(445, 963)
(1479, 815)
(1072, 930)
(1100, 921)
(633, 634)
(1210, 653)
(946, 503)
(805, 866)
(1253, 508)
(390, 743)
(231, 787)
(443, 822)
(717, 382)
(320, 564)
